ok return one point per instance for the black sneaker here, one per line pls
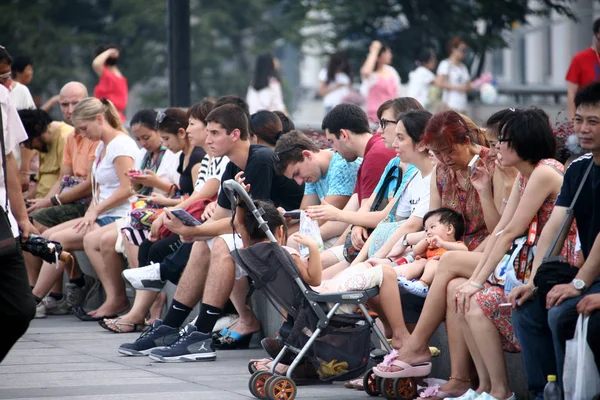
(191, 346)
(157, 336)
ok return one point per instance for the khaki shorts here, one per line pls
(56, 215)
(233, 242)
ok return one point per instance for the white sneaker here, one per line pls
(40, 310)
(470, 395)
(144, 278)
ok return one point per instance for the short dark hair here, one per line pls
(271, 215)
(5, 57)
(35, 122)
(230, 117)
(145, 117)
(19, 64)
(236, 100)
(266, 125)
(286, 123)
(346, 116)
(201, 110)
(175, 119)
(596, 26)
(289, 148)
(400, 105)
(588, 96)
(449, 217)
(529, 134)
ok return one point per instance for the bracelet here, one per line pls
(477, 285)
(58, 200)
(390, 259)
(53, 201)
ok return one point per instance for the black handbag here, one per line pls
(379, 203)
(8, 244)
(555, 270)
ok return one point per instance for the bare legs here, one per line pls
(485, 345)
(248, 323)
(50, 273)
(191, 285)
(414, 270)
(99, 246)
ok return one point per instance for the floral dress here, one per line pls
(465, 200)
(493, 295)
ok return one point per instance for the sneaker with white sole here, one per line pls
(145, 278)
(191, 346)
(469, 395)
(157, 336)
(56, 307)
(77, 296)
(40, 310)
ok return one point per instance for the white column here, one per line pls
(562, 48)
(534, 51)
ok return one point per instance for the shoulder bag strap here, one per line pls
(384, 187)
(552, 250)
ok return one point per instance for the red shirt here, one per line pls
(584, 68)
(114, 88)
(369, 173)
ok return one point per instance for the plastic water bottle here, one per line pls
(551, 390)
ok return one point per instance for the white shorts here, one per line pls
(338, 252)
(233, 242)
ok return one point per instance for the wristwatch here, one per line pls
(579, 284)
(404, 240)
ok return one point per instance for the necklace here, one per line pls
(465, 180)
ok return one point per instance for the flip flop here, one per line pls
(118, 325)
(239, 341)
(83, 315)
(407, 371)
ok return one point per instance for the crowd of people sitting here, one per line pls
(426, 208)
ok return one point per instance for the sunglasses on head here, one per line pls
(161, 117)
(276, 157)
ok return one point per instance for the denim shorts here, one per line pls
(106, 220)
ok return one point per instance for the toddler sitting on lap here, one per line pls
(443, 228)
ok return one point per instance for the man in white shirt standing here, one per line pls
(17, 307)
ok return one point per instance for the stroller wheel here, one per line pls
(256, 384)
(405, 388)
(281, 388)
(387, 389)
(371, 384)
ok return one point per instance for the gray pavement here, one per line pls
(61, 357)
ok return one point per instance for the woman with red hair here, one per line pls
(467, 188)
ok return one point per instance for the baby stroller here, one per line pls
(338, 346)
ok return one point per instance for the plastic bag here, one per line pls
(580, 377)
(309, 227)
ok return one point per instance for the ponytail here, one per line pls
(88, 108)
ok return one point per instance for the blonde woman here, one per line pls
(96, 119)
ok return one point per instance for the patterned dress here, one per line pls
(465, 201)
(493, 295)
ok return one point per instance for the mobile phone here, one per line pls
(473, 163)
(133, 174)
(185, 217)
(292, 214)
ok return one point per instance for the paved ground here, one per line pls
(62, 358)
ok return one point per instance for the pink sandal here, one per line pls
(407, 371)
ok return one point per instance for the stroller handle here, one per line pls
(231, 187)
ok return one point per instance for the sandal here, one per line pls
(357, 384)
(80, 313)
(383, 369)
(136, 327)
(232, 340)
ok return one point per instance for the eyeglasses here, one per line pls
(383, 122)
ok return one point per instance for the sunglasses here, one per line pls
(383, 122)
(161, 117)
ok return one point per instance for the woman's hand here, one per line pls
(38, 204)
(375, 46)
(86, 224)
(209, 210)
(147, 179)
(155, 228)
(462, 298)
(358, 237)
(325, 212)
(157, 198)
(519, 295)
(481, 179)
